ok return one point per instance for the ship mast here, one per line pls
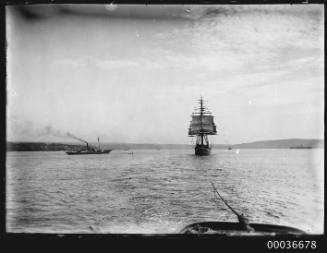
(201, 117)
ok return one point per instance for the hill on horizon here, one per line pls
(282, 143)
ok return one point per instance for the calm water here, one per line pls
(160, 191)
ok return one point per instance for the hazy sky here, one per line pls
(134, 74)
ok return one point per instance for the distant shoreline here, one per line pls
(166, 149)
(271, 144)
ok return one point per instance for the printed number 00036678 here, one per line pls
(291, 244)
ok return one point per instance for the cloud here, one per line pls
(117, 64)
(229, 39)
(100, 64)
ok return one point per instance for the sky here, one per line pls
(135, 73)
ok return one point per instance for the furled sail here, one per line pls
(202, 124)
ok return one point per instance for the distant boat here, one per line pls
(89, 150)
(301, 147)
(229, 148)
(201, 126)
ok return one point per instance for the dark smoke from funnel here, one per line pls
(48, 130)
(74, 137)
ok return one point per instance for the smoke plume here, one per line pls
(48, 130)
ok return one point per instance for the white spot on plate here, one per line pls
(110, 7)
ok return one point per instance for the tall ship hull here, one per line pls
(202, 125)
(202, 150)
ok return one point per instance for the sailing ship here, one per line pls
(202, 125)
(89, 149)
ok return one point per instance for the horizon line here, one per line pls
(148, 143)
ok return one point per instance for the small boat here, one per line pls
(301, 147)
(241, 228)
(89, 150)
(229, 148)
(201, 126)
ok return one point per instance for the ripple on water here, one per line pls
(160, 192)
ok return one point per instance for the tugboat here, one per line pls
(89, 150)
(201, 126)
(241, 228)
